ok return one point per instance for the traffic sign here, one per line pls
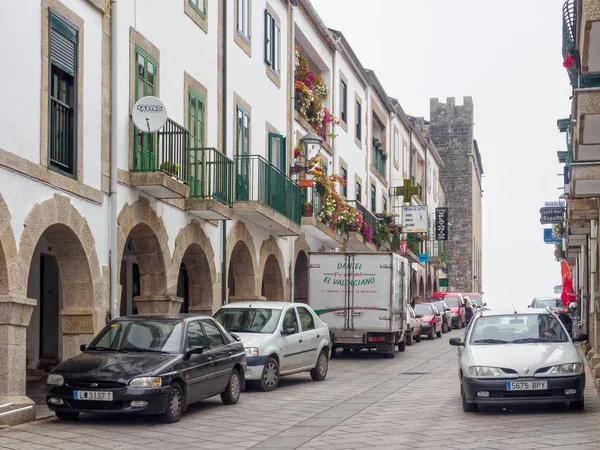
(423, 257)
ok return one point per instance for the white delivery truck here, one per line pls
(362, 297)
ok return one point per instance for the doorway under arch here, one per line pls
(194, 283)
(272, 280)
(301, 278)
(240, 277)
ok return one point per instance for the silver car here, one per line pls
(512, 357)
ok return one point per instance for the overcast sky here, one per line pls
(506, 54)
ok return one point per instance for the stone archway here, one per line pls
(301, 278)
(15, 315)
(142, 242)
(422, 289)
(194, 260)
(272, 270)
(272, 280)
(55, 234)
(414, 286)
(241, 265)
(429, 286)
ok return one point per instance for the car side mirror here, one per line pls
(529, 306)
(580, 337)
(82, 347)
(456, 342)
(287, 331)
(485, 304)
(196, 350)
(236, 337)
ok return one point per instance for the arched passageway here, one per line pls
(301, 278)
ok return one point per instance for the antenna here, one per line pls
(513, 306)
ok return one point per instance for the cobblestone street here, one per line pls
(411, 401)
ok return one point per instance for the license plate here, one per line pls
(526, 385)
(93, 395)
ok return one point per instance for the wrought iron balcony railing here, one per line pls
(211, 175)
(569, 42)
(165, 150)
(378, 160)
(257, 180)
(368, 216)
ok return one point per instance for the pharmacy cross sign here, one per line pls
(407, 190)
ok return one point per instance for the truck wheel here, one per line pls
(402, 345)
(409, 339)
(418, 337)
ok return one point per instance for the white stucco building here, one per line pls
(208, 208)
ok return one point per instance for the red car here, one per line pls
(457, 306)
(476, 297)
(431, 319)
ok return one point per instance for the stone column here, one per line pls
(15, 314)
(162, 304)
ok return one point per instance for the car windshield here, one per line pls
(517, 329)
(552, 303)
(424, 309)
(452, 302)
(161, 336)
(248, 320)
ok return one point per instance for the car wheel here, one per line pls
(270, 376)
(577, 406)
(174, 405)
(467, 407)
(231, 394)
(418, 337)
(402, 345)
(66, 415)
(319, 372)
(409, 338)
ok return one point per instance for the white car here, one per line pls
(511, 357)
(280, 339)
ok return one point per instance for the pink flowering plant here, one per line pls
(311, 92)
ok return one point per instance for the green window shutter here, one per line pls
(63, 44)
(277, 151)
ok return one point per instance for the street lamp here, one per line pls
(309, 142)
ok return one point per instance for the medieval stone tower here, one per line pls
(451, 130)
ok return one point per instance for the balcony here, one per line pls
(210, 184)
(379, 160)
(266, 196)
(437, 253)
(356, 240)
(413, 247)
(160, 162)
(588, 33)
(314, 223)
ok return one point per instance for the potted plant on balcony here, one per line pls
(169, 167)
(307, 209)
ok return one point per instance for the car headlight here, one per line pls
(146, 382)
(251, 351)
(486, 372)
(55, 379)
(566, 369)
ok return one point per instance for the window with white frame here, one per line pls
(396, 146)
(243, 19)
(405, 158)
(272, 37)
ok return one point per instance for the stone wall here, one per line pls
(451, 130)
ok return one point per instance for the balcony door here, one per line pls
(276, 182)
(144, 158)
(242, 183)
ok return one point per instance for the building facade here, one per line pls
(212, 208)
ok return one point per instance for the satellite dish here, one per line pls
(149, 114)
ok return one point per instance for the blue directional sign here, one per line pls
(423, 257)
(548, 238)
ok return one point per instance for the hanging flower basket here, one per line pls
(306, 183)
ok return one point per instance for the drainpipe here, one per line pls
(113, 158)
(291, 108)
(592, 275)
(224, 150)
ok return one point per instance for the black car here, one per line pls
(446, 315)
(150, 364)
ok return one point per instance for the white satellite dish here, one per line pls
(149, 114)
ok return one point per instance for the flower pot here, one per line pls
(308, 211)
(306, 183)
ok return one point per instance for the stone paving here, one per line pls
(411, 401)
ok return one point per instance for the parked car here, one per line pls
(514, 357)
(431, 319)
(413, 325)
(555, 303)
(149, 364)
(458, 309)
(279, 338)
(446, 313)
(476, 297)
